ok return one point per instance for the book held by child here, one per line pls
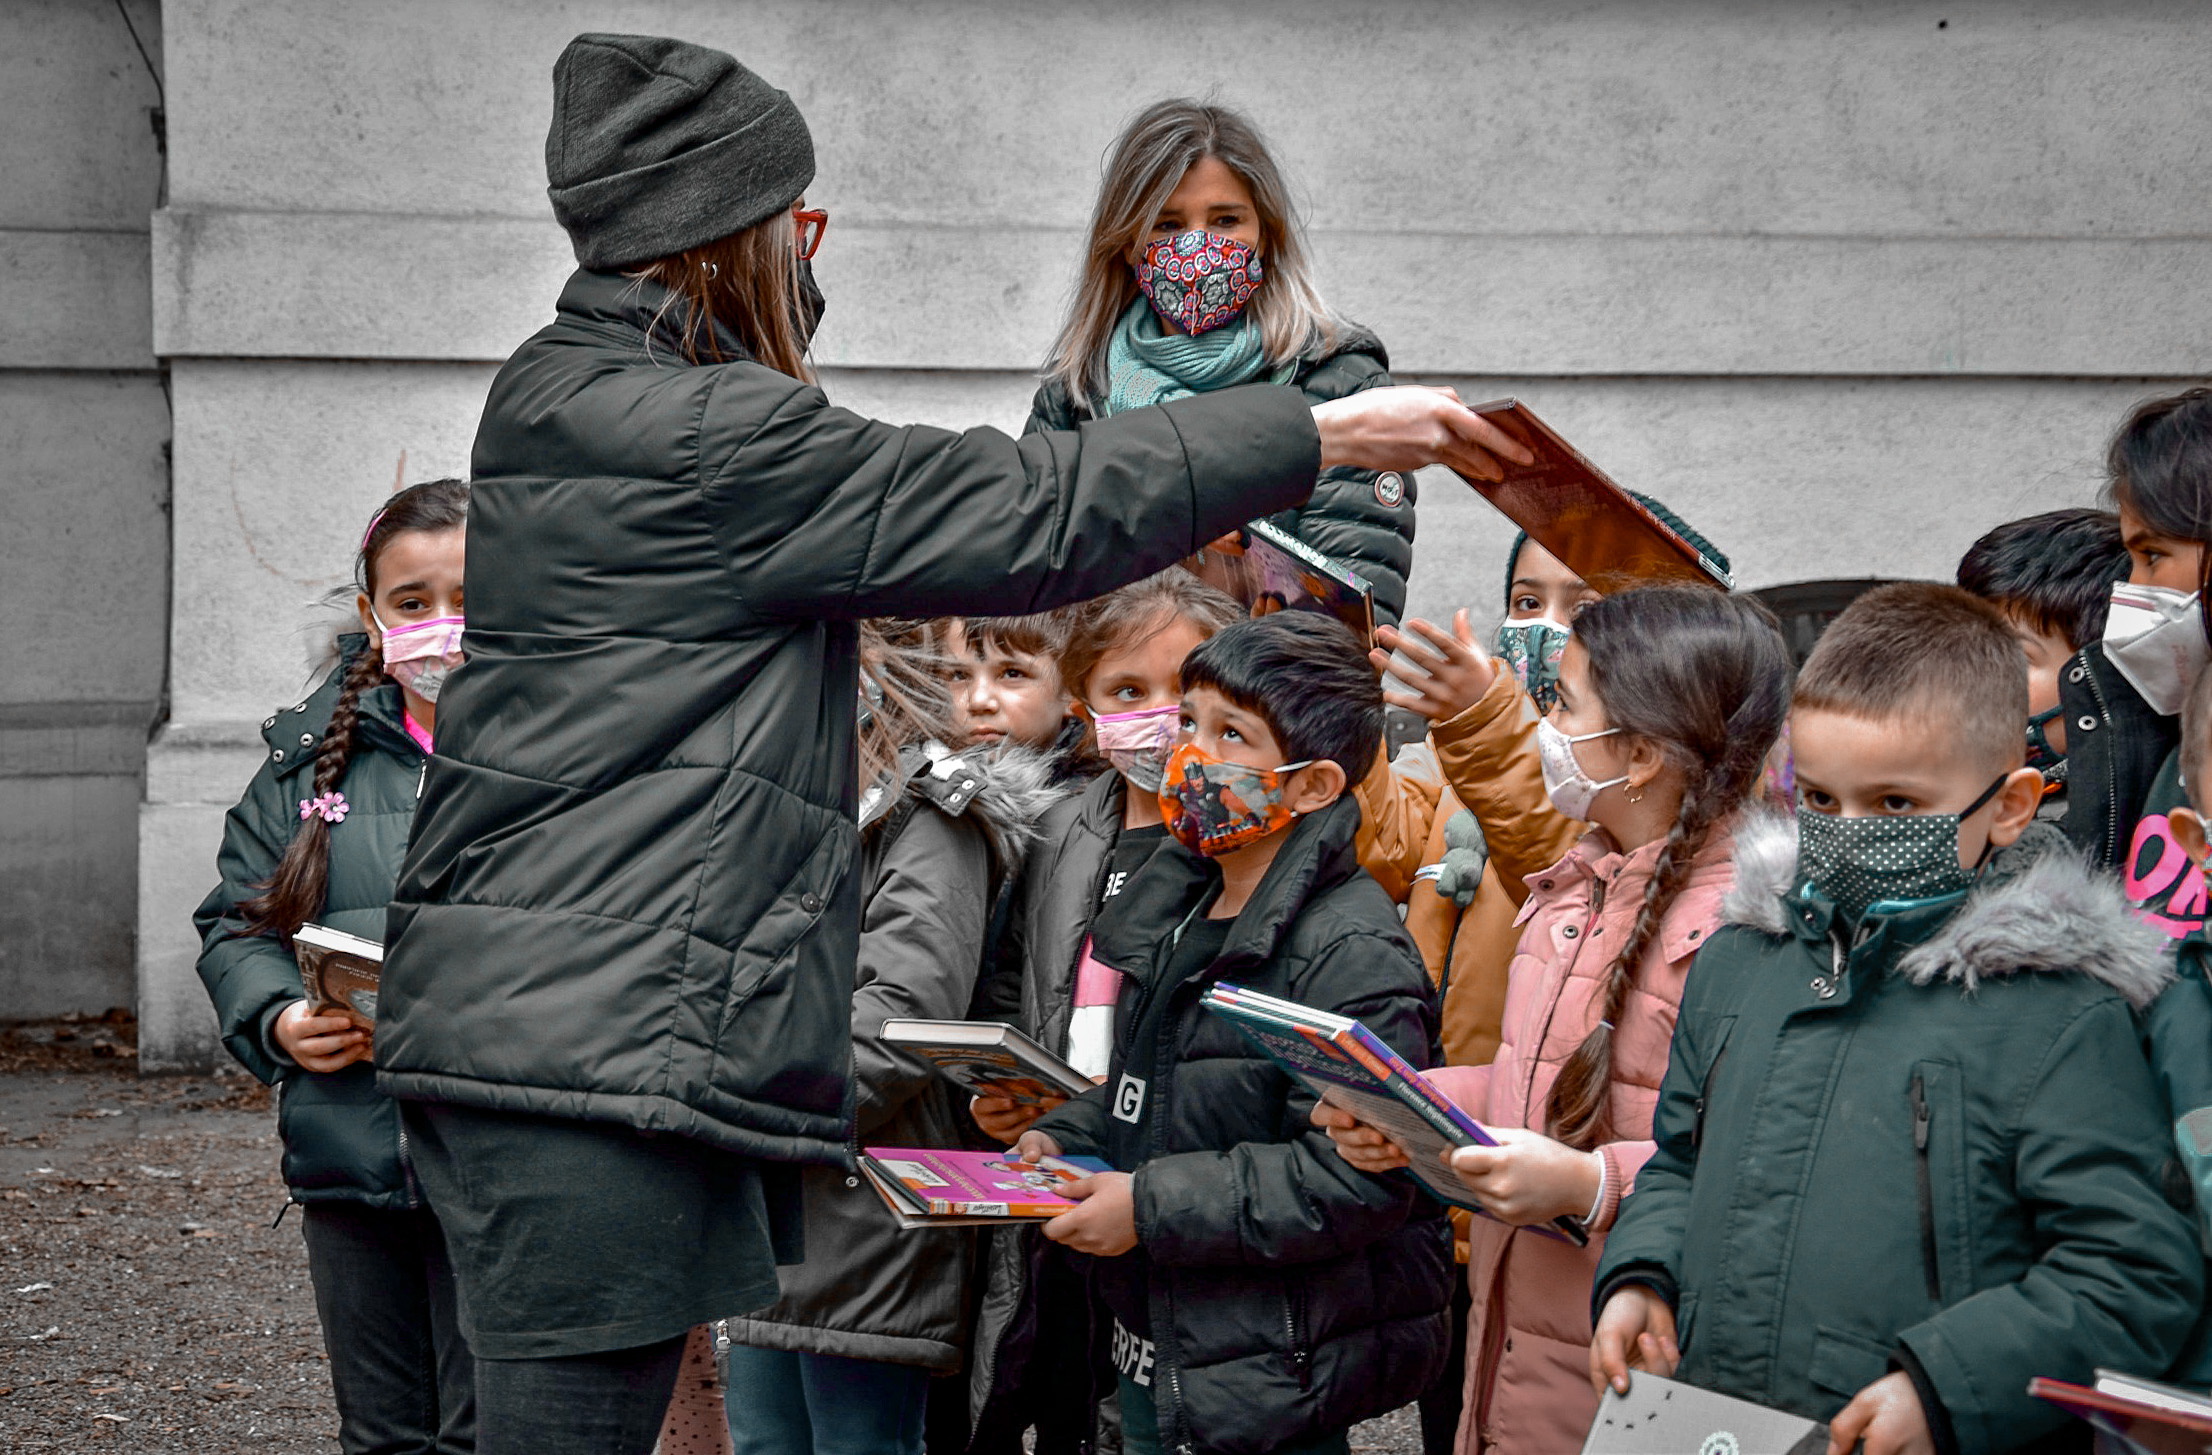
(932, 1187)
(339, 970)
(1662, 1417)
(989, 1059)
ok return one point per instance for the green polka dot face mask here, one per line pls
(1858, 863)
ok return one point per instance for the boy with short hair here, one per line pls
(2051, 576)
(1908, 1144)
(1004, 676)
(1265, 1295)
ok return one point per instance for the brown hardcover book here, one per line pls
(340, 971)
(1574, 510)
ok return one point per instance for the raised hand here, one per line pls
(1408, 426)
(1448, 671)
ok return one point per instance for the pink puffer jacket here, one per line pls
(1528, 1338)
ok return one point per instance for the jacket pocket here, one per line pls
(1727, 1025)
(797, 910)
(1297, 1330)
(1936, 1105)
(1845, 1363)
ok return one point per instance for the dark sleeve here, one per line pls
(1645, 1245)
(921, 940)
(822, 513)
(1294, 1200)
(2120, 1275)
(1078, 1125)
(1049, 409)
(1358, 516)
(2178, 1036)
(249, 977)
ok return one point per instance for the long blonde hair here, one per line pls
(1146, 165)
(748, 282)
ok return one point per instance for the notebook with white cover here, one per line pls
(1666, 1417)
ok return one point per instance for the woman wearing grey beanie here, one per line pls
(620, 959)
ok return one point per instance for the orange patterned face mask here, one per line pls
(1213, 807)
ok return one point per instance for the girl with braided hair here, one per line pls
(1668, 700)
(318, 838)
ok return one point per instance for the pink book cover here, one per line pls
(982, 1184)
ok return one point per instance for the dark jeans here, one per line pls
(786, 1403)
(579, 1404)
(398, 1363)
(1140, 1427)
(1440, 1402)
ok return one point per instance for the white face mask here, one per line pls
(422, 654)
(1570, 788)
(2154, 636)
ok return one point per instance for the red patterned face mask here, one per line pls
(1213, 807)
(1199, 280)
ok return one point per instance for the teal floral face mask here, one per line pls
(1858, 863)
(1532, 650)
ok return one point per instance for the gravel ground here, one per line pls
(146, 1302)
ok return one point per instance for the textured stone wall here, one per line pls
(1844, 283)
(84, 494)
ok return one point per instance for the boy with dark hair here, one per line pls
(1909, 1148)
(2052, 575)
(1265, 1295)
(1004, 676)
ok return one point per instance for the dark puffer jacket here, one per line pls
(869, 1290)
(2115, 746)
(1936, 1148)
(342, 1139)
(1290, 1295)
(1358, 516)
(631, 896)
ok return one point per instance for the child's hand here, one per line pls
(1528, 1178)
(1105, 1226)
(1034, 1147)
(1356, 1142)
(1449, 671)
(1887, 1416)
(1005, 1119)
(322, 1043)
(1636, 1331)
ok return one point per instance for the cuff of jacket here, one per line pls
(1251, 451)
(1609, 1194)
(1646, 1275)
(1931, 1404)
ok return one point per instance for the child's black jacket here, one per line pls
(342, 1138)
(1290, 1295)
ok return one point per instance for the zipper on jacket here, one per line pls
(2111, 768)
(1705, 1098)
(1920, 1121)
(1301, 1360)
(407, 1164)
(421, 773)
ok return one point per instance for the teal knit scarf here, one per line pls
(1147, 363)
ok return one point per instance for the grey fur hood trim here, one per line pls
(1005, 791)
(2039, 907)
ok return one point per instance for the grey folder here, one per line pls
(1660, 1417)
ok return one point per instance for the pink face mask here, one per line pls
(1137, 743)
(422, 654)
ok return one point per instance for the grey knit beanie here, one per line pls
(658, 145)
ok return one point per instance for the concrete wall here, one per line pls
(84, 495)
(1843, 283)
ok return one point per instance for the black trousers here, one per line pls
(398, 1363)
(579, 1404)
(1440, 1402)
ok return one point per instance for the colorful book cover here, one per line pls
(934, 1182)
(1268, 569)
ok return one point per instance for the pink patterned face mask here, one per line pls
(1199, 280)
(422, 654)
(1137, 743)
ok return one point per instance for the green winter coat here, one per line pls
(2178, 1033)
(1937, 1151)
(342, 1138)
(632, 895)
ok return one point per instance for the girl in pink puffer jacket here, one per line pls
(1669, 698)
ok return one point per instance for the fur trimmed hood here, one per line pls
(2038, 907)
(1006, 792)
